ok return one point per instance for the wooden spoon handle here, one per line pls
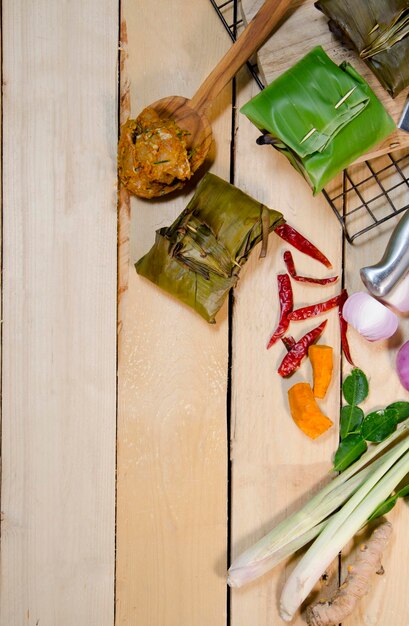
(251, 39)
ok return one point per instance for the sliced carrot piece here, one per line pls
(322, 365)
(306, 412)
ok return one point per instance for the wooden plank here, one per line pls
(171, 551)
(274, 465)
(387, 601)
(59, 313)
(305, 28)
(172, 443)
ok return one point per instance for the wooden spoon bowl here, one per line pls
(199, 139)
(190, 115)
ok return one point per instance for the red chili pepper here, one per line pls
(315, 309)
(289, 261)
(288, 341)
(285, 295)
(292, 236)
(343, 326)
(293, 358)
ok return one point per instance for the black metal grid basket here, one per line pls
(369, 193)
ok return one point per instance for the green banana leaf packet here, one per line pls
(199, 257)
(319, 115)
(379, 31)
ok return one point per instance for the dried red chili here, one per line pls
(293, 358)
(285, 296)
(289, 262)
(292, 236)
(343, 327)
(315, 309)
(288, 341)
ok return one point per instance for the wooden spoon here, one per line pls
(190, 115)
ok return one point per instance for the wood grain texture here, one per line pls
(124, 200)
(275, 466)
(172, 480)
(59, 313)
(172, 371)
(249, 41)
(306, 27)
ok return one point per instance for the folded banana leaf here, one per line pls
(379, 31)
(321, 116)
(199, 257)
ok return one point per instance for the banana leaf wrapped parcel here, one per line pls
(199, 257)
(379, 31)
(319, 115)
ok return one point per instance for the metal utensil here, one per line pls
(380, 278)
(404, 118)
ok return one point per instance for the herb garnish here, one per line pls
(356, 428)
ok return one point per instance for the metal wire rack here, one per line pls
(369, 193)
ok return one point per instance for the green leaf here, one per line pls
(388, 505)
(351, 420)
(355, 387)
(402, 410)
(383, 508)
(404, 492)
(349, 450)
(379, 424)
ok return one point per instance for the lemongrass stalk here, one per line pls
(276, 545)
(240, 576)
(343, 527)
(328, 499)
(297, 531)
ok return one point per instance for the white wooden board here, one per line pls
(59, 313)
(172, 437)
(168, 570)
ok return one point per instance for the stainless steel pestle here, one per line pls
(380, 278)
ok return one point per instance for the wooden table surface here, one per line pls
(136, 464)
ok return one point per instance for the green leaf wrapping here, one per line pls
(310, 97)
(198, 258)
(387, 37)
(379, 32)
